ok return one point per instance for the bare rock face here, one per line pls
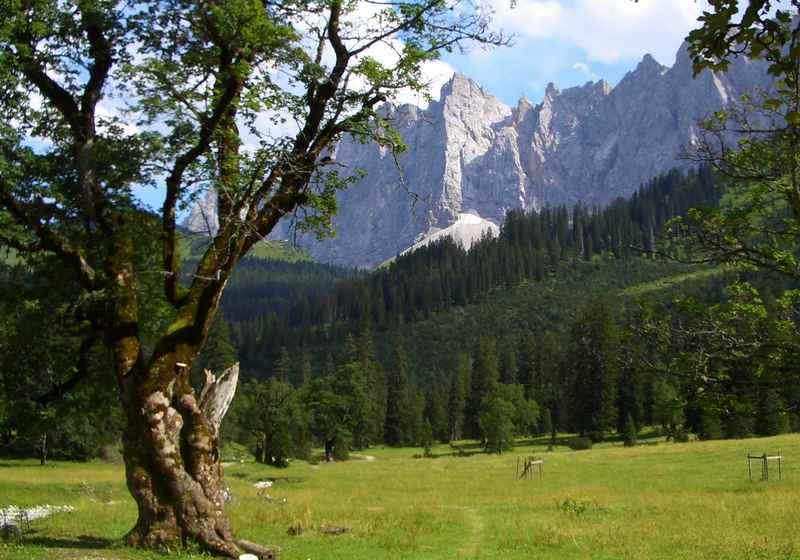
(203, 216)
(470, 153)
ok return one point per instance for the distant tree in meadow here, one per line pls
(267, 410)
(630, 433)
(509, 360)
(336, 405)
(668, 407)
(496, 424)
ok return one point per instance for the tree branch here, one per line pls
(80, 373)
(48, 240)
(230, 91)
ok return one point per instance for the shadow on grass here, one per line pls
(81, 542)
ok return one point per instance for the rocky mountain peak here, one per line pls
(469, 153)
(649, 64)
(461, 86)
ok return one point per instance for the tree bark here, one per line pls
(43, 449)
(172, 465)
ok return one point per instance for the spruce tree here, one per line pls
(458, 396)
(509, 361)
(528, 362)
(591, 364)
(485, 377)
(219, 353)
(283, 366)
(436, 411)
(546, 422)
(771, 417)
(398, 405)
(630, 431)
(376, 387)
(631, 387)
(303, 373)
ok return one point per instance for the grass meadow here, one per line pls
(666, 500)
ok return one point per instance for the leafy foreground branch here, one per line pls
(100, 98)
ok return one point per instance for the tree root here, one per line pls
(262, 552)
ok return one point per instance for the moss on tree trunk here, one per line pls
(173, 470)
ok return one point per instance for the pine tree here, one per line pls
(458, 397)
(219, 353)
(528, 370)
(436, 411)
(771, 417)
(631, 386)
(630, 431)
(591, 364)
(283, 366)
(303, 373)
(509, 362)
(376, 388)
(546, 422)
(398, 406)
(485, 377)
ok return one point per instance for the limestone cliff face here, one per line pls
(470, 153)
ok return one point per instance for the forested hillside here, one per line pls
(273, 305)
(562, 323)
(570, 320)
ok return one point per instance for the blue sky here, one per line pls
(569, 42)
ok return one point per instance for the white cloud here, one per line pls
(584, 69)
(529, 18)
(436, 73)
(614, 30)
(608, 31)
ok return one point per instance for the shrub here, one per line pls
(578, 507)
(681, 436)
(630, 433)
(580, 443)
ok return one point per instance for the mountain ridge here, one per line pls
(468, 151)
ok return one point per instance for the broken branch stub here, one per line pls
(217, 394)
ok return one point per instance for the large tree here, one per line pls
(101, 98)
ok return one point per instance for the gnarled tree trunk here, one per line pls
(172, 463)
